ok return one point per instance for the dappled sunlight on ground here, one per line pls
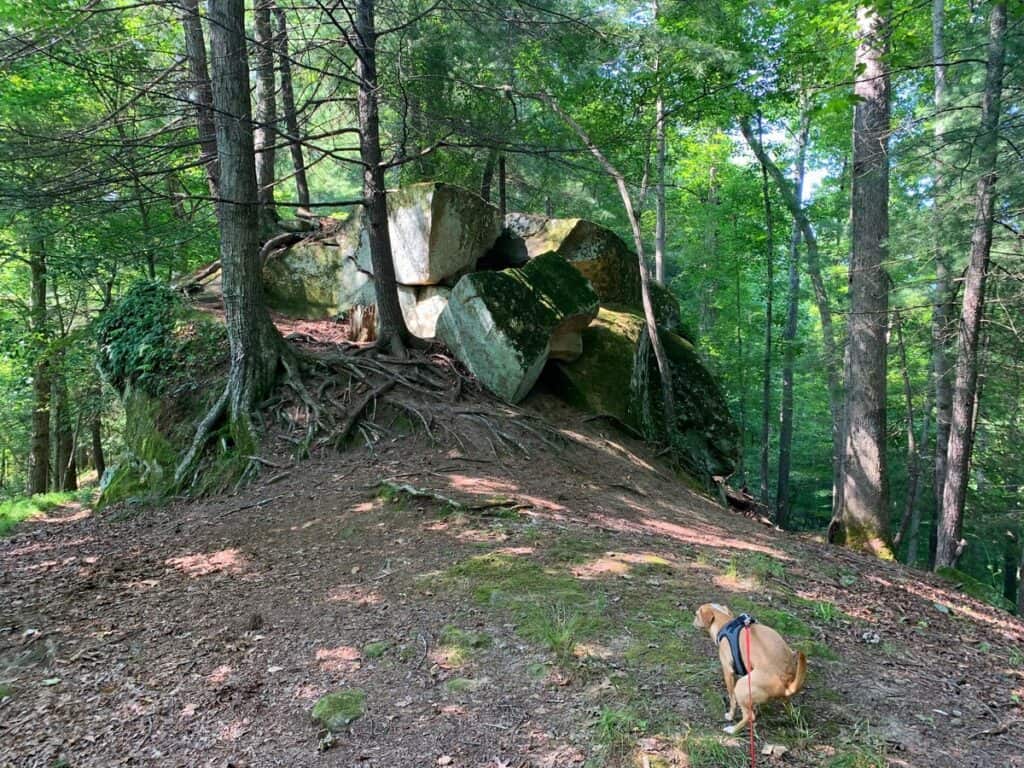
(704, 535)
(224, 561)
(1009, 628)
(514, 551)
(354, 594)
(344, 658)
(74, 512)
(609, 447)
(618, 564)
(736, 583)
(38, 547)
(234, 730)
(480, 485)
(219, 675)
(367, 506)
(481, 535)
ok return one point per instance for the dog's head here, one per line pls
(704, 617)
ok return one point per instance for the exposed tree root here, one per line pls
(203, 432)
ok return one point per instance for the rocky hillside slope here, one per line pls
(518, 595)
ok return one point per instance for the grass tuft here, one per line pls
(13, 511)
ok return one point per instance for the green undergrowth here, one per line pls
(460, 645)
(13, 511)
(755, 565)
(709, 751)
(550, 607)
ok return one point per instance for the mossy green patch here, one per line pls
(857, 757)
(334, 711)
(572, 549)
(460, 645)
(376, 649)
(708, 751)
(6, 691)
(616, 728)
(461, 685)
(660, 639)
(757, 565)
(550, 607)
(976, 588)
(815, 649)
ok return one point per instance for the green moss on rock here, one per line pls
(336, 711)
(617, 375)
(167, 361)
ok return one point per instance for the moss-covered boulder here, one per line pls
(617, 375)
(500, 324)
(571, 298)
(167, 362)
(438, 231)
(336, 711)
(322, 277)
(595, 251)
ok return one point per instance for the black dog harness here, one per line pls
(731, 632)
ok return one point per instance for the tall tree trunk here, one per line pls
(659, 191)
(913, 529)
(264, 133)
(502, 186)
(961, 434)
(254, 343)
(766, 367)
(828, 340)
(487, 179)
(99, 460)
(1011, 556)
(943, 311)
(741, 468)
(709, 284)
(201, 92)
(39, 455)
(65, 474)
(393, 334)
(913, 455)
(291, 117)
(782, 500)
(863, 519)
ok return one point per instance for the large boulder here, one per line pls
(571, 297)
(501, 324)
(617, 375)
(438, 231)
(322, 277)
(595, 251)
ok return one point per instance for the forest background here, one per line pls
(733, 126)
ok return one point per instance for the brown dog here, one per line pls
(773, 670)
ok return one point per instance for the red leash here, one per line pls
(750, 695)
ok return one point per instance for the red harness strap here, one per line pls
(750, 695)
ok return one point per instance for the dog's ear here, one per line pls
(705, 616)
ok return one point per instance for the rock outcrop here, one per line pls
(618, 376)
(508, 300)
(322, 277)
(501, 325)
(598, 253)
(438, 231)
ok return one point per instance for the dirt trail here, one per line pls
(552, 629)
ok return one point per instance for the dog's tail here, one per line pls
(801, 674)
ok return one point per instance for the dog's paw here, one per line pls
(730, 729)
(728, 717)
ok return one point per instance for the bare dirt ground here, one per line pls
(552, 628)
